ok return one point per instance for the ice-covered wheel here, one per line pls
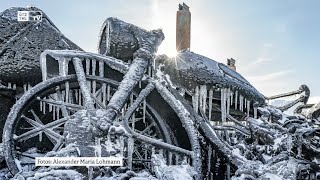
(35, 124)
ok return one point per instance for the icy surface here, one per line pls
(190, 70)
(279, 148)
(22, 43)
(166, 172)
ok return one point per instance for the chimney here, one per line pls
(232, 64)
(183, 26)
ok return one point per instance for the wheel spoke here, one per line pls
(58, 145)
(99, 103)
(135, 120)
(140, 157)
(63, 107)
(27, 135)
(36, 131)
(147, 128)
(48, 131)
(143, 94)
(160, 144)
(25, 154)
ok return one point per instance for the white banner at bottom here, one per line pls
(79, 161)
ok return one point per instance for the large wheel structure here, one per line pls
(35, 124)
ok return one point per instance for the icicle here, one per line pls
(104, 94)
(145, 151)
(103, 97)
(236, 100)
(29, 86)
(255, 112)
(53, 112)
(79, 98)
(289, 143)
(24, 88)
(203, 98)
(9, 85)
(248, 108)
(223, 105)
(50, 107)
(228, 170)
(76, 95)
(40, 103)
(228, 94)
(185, 158)
(240, 103)
(87, 66)
(97, 150)
(108, 92)
(209, 159)
(122, 113)
(140, 84)
(67, 95)
(210, 103)
(200, 98)
(153, 150)
(195, 99)
(170, 158)
(94, 66)
(130, 152)
(177, 157)
(149, 70)
(245, 102)
(231, 98)
(121, 141)
(44, 107)
(144, 110)
(161, 152)
(88, 72)
(90, 173)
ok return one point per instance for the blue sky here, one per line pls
(276, 43)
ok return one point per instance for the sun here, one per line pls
(169, 51)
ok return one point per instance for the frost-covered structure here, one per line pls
(186, 117)
(21, 44)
